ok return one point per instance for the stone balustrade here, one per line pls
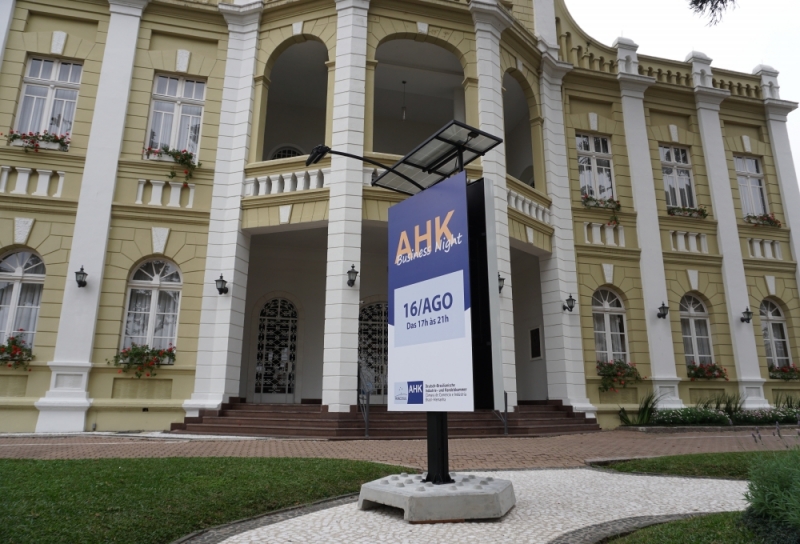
(764, 249)
(288, 182)
(169, 190)
(690, 242)
(47, 182)
(604, 234)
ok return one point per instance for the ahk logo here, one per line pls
(414, 392)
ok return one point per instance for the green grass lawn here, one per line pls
(715, 465)
(146, 501)
(722, 528)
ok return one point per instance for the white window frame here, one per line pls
(607, 311)
(769, 320)
(179, 101)
(593, 156)
(156, 286)
(751, 179)
(18, 278)
(52, 85)
(676, 165)
(692, 317)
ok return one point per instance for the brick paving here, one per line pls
(465, 454)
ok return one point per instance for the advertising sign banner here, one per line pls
(430, 332)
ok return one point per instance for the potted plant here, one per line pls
(617, 373)
(143, 360)
(700, 212)
(708, 371)
(785, 372)
(764, 219)
(607, 203)
(38, 140)
(15, 353)
(183, 158)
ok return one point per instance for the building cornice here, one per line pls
(709, 97)
(242, 18)
(634, 85)
(777, 110)
(128, 7)
(491, 12)
(553, 69)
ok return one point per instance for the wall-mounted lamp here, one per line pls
(747, 315)
(501, 281)
(352, 274)
(222, 285)
(80, 277)
(663, 311)
(570, 305)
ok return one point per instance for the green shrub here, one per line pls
(644, 416)
(689, 416)
(767, 417)
(773, 492)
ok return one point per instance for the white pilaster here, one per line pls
(566, 379)
(544, 25)
(654, 282)
(490, 21)
(340, 355)
(743, 339)
(219, 350)
(63, 408)
(6, 16)
(777, 111)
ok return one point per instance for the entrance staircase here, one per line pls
(531, 418)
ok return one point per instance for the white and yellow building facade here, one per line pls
(250, 87)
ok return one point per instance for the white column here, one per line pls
(708, 100)
(6, 16)
(490, 21)
(63, 408)
(654, 281)
(777, 110)
(566, 380)
(219, 350)
(340, 355)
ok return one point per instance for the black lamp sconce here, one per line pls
(663, 311)
(501, 281)
(352, 274)
(570, 305)
(747, 315)
(80, 277)
(222, 285)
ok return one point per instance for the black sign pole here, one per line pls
(438, 453)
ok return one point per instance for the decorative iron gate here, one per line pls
(373, 348)
(276, 352)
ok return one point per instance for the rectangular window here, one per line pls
(176, 114)
(594, 166)
(536, 344)
(751, 185)
(49, 96)
(677, 171)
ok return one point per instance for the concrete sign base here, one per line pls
(470, 497)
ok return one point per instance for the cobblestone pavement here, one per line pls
(465, 454)
(550, 504)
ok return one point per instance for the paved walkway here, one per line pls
(553, 506)
(465, 454)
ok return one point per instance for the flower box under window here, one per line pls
(785, 372)
(765, 220)
(700, 212)
(604, 203)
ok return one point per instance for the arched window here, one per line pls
(373, 346)
(608, 315)
(21, 283)
(154, 294)
(276, 351)
(695, 331)
(776, 341)
(286, 152)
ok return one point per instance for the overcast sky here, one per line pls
(755, 32)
